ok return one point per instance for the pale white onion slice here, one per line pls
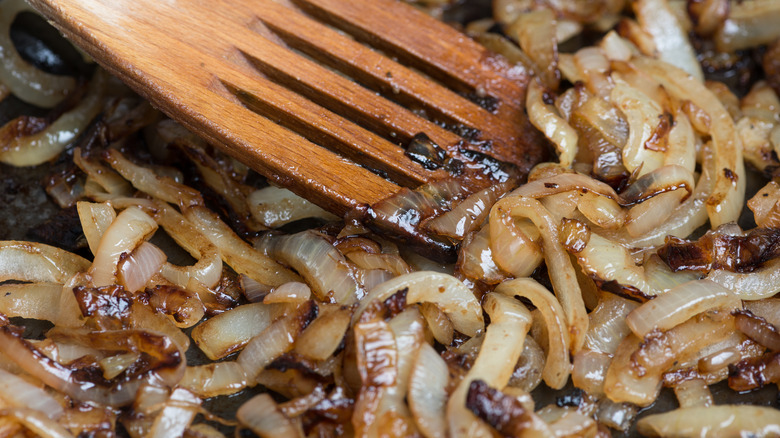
(693, 393)
(589, 371)
(207, 270)
(749, 23)
(38, 148)
(723, 420)
(30, 261)
(20, 393)
(428, 392)
(601, 210)
(679, 304)
(727, 198)
(608, 326)
(230, 331)
(475, 259)
(275, 206)
(643, 115)
(759, 284)
(557, 366)
(501, 349)
(277, 339)
(26, 81)
(262, 416)
(535, 31)
(546, 119)
(322, 265)
(563, 277)
(214, 379)
(292, 292)
(645, 217)
(671, 41)
(177, 414)
(95, 218)
(324, 335)
(440, 326)
(237, 253)
(131, 227)
(146, 180)
(37, 422)
(616, 48)
(140, 266)
(513, 247)
(450, 294)
(31, 300)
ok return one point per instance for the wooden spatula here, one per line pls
(320, 96)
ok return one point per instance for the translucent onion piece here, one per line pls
(47, 144)
(176, 415)
(114, 365)
(647, 216)
(262, 416)
(679, 304)
(693, 393)
(277, 339)
(608, 326)
(325, 334)
(322, 265)
(606, 261)
(214, 379)
(468, 215)
(139, 266)
(590, 370)
(563, 277)
(536, 32)
(452, 296)
(438, 323)
(241, 256)
(724, 420)
(292, 292)
(557, 366)
(131, 227)
(95, 219)
(428, 392)
(601, 210)
(298, 406)
(274, 207)
(513, 246)
(208, 268)
(29, 261)
(643, 115)
(102, 181)
(501, 349)
(618, 416)
(749, 23)
(594, 67)
(681, 144)
(759, 284)
(545, 118)
(615, 48)
(765, 205)
(37, 422)
(623, 383)
(26, 81)
(726, 201)
(146, 180)
(31, 300)
(229, 332)
(671, 41)
(21, 393)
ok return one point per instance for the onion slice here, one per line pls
(557, 366)
(131, 227)
(450, 294)
(501, 349)
(679, 304)
(428, 392)
(724, 420)
(262, 416)
(30, 261)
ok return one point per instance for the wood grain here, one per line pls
(294, 120)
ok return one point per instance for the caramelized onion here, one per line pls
(130, 228)
(679, 304)
(428, 382)
(29, 261)
(274, 207)
(211, 380)
(263, 417)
